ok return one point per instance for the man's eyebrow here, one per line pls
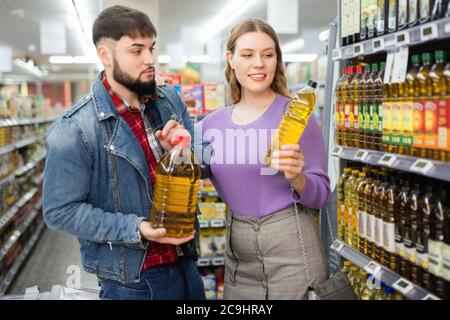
(140, 45)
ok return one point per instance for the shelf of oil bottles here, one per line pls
(382, 273)
(439, 29)
(429, 168)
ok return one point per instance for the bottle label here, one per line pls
(442, 124)
(396, 123)
(431, 124)
(371, 228)
(402, 12)
(361, 117)
(419, 124)
(380, 18)
(412, 17)
(392, 21)
(347, 109)
(389, 237)
(355, 116)
(362, 224)
(446, 262)
(351, 118)
(400, 250)
(408, 125)
(380, 118)
(422, 260)
(411, 254)
(379, 234)
(373, 117)
(387, 122)
(435, 257)
(367, 118)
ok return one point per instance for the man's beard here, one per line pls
(139, 87)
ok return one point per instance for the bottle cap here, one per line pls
(185, 141)
(312, 83)
(415, 60)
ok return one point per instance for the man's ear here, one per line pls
(229, 56)
(105, 53)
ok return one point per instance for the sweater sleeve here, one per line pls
(317, 187)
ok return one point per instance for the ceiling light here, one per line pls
(61, 59)
(302, 57)
(164, 59)
(29, 67)
(294, 45)
(225, 17)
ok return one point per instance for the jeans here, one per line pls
(179, 281)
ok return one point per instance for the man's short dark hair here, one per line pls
(118, 21)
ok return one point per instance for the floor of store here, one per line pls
(54, 260)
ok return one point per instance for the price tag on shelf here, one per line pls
(403, 286)
(203, 223)
(429, 32)
(217, 223)
(430, 297)
(372, 268)
(337, 151)
(337, 245)
(387, 160)
(358, 49)
(337, 54)
(402, 39)
(422, 166)
(447, 27)
(361, 155)
(378, 45)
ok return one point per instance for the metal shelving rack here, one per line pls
(6, 218)
(337, 155)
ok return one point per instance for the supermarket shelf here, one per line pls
(19, 261)
(23, 122)
(16, 235)
(429, 168)
(22, 170)
(11, 212)
(29, 166)
(215, 223)
(380, 272)
(439, 29)
(20, 144)
(210, 261)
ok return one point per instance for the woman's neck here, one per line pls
(253, 100)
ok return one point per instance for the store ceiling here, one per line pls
(19, 23)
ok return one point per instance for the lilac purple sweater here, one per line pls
(239, 174)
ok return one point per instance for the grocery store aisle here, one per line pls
(52, 261)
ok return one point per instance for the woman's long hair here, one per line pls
(255, 25)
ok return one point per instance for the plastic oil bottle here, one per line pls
(350, 210)
(368, 238)
(379, 217)
(362, 215)
(339, 105)
(390, 220)
(403, 225)
(176, 191)
(378, 116)
(358, 184)
(426, 207)
(436, 121)
(363, 107)
(407, 90)
(415, 229)
(388, 102)
(353, 118)
(372, 194)
(294, 120)
(368, 120)
(341, 187)
(375, 192)
(425, 92)
(396, 119)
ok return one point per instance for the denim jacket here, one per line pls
(97, 185)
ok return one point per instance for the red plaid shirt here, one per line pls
(157, 254)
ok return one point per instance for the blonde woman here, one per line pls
(263, 257)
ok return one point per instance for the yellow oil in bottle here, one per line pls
(176, 191)
(425, 89)
(341, 203)
(436, 120)
(396, 125)
(378, 116)
(364, 93)
(387, 117)
(379, 216)
(390, 219)
(355, 205)
(362, 221)
(340, 108)
(364, 242)
(294, 120)
(347, 97)
(407, 90)
(372, 112)
(355, 115)
(350, 212)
